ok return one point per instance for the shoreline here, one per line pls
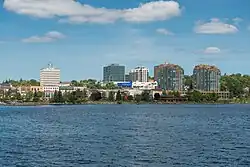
(113, 103)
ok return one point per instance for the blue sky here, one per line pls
(81, 39)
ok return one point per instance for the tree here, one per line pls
(28, 96)
(35, 97)
(157, 96)
(73, 98)
(145, 96)
(188, 81)
(214, 97)
(111, 96)
(96, 96)
(195, 96)
(110, 85)
(138, 98)
(60, 97)
(118, 96)
(164, 93)
(130, 98)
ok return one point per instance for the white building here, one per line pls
(49, 76)
(139, 74)
(50, 80)
(144, 85)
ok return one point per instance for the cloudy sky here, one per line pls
(80, 37)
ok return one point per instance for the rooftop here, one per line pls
(206, 67)
(50, 67)
(168, 65)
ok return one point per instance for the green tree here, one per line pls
(74, 83)
(60, 97)
(145, 96)
(164, 93)
(111, 96)
(118, 96)
(110, 85)
(35, 97)
(195, 96)
(130, 98)
(138, 98)
(96, 96)
(157, 96)
(29, 96)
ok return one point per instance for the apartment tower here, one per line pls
(206, 78)
(139, 74)
(169, 77)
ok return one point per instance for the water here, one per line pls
(125, 135)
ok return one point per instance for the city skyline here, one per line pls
(77, 38)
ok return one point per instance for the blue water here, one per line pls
(125, 135)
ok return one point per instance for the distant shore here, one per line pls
(106, 102)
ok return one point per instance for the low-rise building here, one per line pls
(64, 84)
(145, 85)
(50, 90)
(223, 95)
(36, 89)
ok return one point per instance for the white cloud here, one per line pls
(164, 31)
(159, 10)
(237, 20)
(74, 12)
(48, 37)
(215, 26)
(212, 50)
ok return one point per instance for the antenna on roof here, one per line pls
(50, 65)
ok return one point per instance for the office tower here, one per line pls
(127, 78)
(49, 76)
(114, 73)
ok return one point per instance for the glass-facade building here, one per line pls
(169, 77)
(206, 78)
(114, 73)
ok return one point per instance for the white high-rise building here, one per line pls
(49, 76)
(139, 74)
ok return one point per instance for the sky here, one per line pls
(80, 37)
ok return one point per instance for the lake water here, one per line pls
(125, 135)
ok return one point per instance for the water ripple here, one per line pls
(125, 135)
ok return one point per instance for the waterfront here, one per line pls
(125, 135)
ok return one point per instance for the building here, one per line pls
(206, 78)
(145, 85)
(36, 89)
(114, 73)
(169, 77)
(50, 76)
(63, 84)
(127, 78)
(139, 74)
(50, 80)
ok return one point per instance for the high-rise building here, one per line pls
(114, 73)
(169, 77)
(139, 74)
(206, 78)
(127, 78)
(49, 76)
